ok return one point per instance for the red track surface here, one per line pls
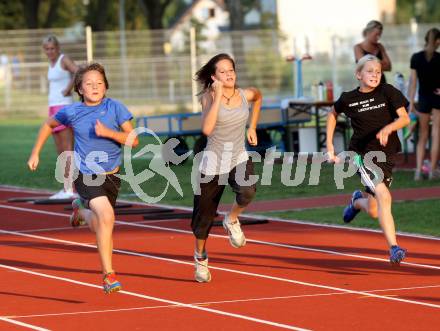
(289, 275)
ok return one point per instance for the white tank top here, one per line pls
(58, 80)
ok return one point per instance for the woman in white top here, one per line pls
(225, 113)
(60, 76)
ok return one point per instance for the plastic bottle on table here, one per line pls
(329, 86)
(321, 94)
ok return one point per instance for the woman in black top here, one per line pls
(371, 45)
(425, 68)
(377, 111)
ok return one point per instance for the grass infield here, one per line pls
(17, 139)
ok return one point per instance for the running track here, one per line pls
(412, 194)
(289, 276)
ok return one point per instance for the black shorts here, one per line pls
(427, 103)
(370, 177)
(109, 187)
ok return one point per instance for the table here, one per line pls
(318, 110)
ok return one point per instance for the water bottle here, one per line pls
(320, 91)
(329, 86)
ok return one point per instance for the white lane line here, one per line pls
(127, 252)
(306, 223)
(255, 241)
(219, 302)
(180, 304)
(70, 227)
(269, 243)
(29, 326)
(254, 216)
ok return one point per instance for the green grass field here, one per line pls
(17, 138)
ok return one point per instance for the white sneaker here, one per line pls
(202, 273)
(236, 236)
(63, 195)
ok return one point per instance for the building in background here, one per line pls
(309, 25)
(211, 14)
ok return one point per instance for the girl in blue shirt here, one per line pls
(100, 125)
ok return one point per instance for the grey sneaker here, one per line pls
(202, 273)
(236, 236)
(434, 174)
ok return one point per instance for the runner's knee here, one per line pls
(245, 195)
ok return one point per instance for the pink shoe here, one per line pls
(76, 219)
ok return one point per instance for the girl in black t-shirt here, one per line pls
(425, 68)
(377, 111)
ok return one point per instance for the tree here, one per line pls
(31, 9)
(98, 14)
(11, 15)
(424, 11)
(154, 11)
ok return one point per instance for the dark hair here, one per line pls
(431, 36)
(371, 26)
(203, 76)
(79, 76)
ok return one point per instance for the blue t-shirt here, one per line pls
(97, 154)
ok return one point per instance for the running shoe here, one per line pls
(236, 236)
(434, 174)
(350, 212)
(110, 284)
(417, 175)
(76, 219)
(202, 273)
(61, 195)
(397, 254)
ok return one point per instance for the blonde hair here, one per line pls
(371, 26)
(51, 39)
(364, 59)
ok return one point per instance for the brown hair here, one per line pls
(203, 76)
(430, 38)
(79, 76)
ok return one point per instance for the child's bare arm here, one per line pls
(119, 136)
(402, 121)
(253, 95)
(43, 134)
(331, 125)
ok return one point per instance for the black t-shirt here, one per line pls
(369, 113)
(428, 73)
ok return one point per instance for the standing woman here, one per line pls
(371, 45)
(225, 113)
(60, 76)
(425, 68)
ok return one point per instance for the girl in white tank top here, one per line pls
(60, 76)
(225, 112)
(59, 79)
